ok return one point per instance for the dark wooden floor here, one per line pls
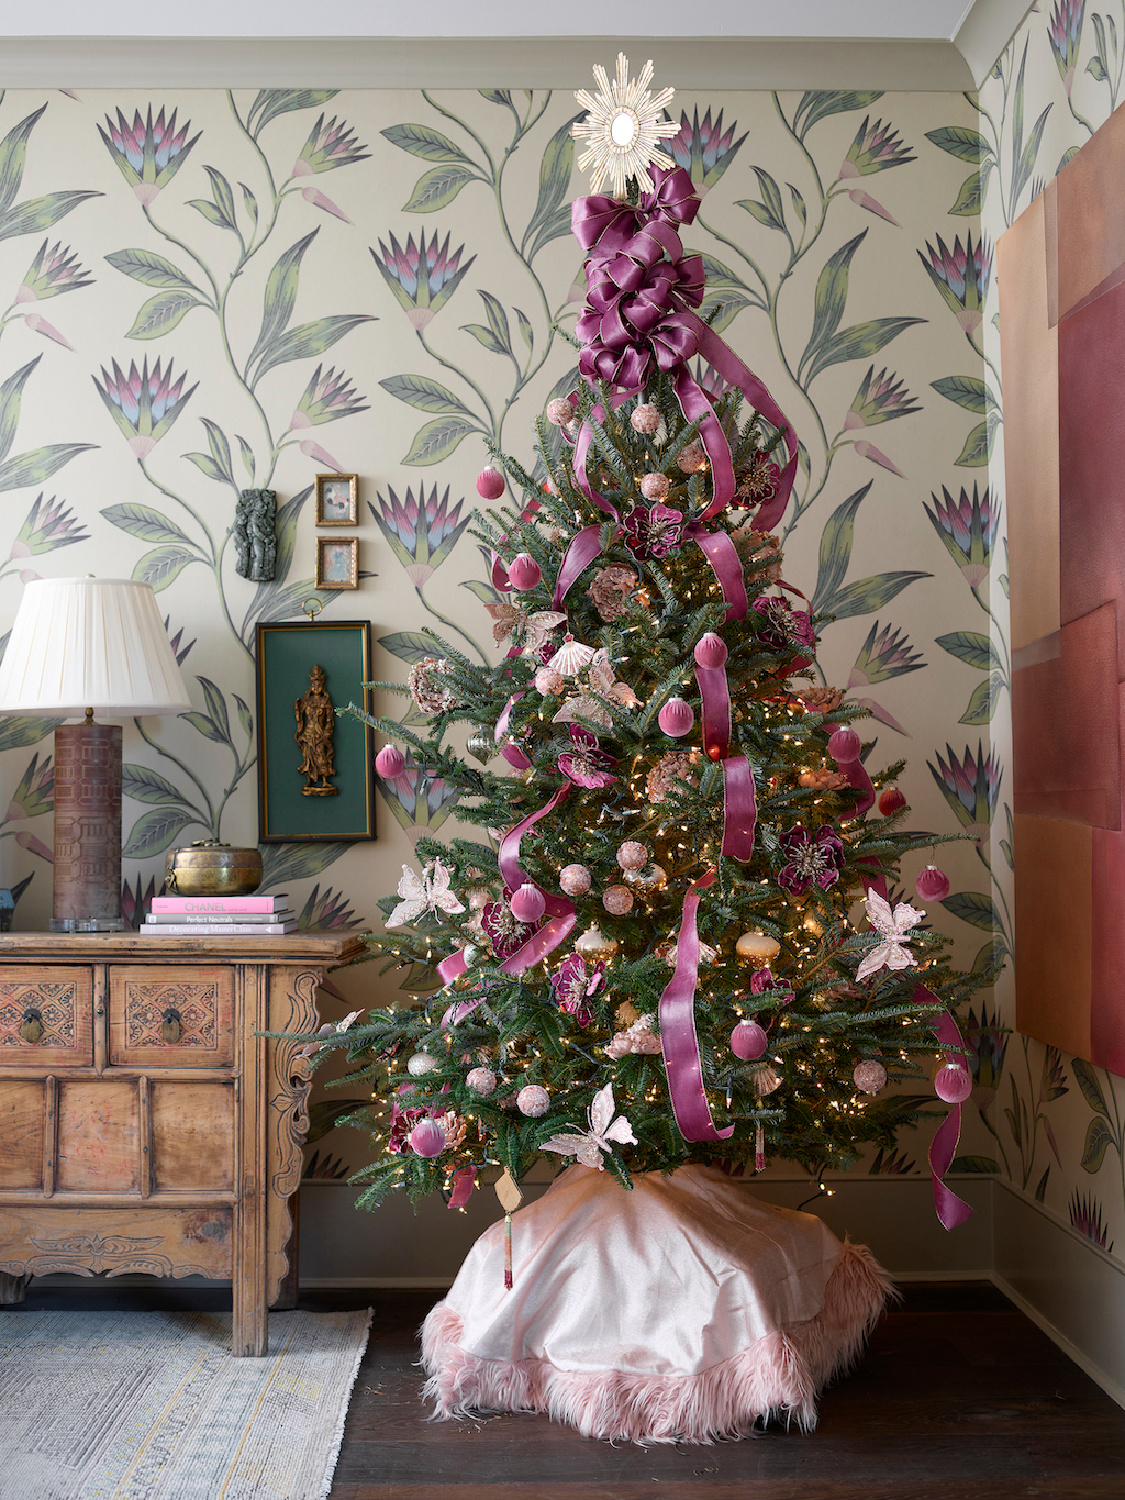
(960, 1397)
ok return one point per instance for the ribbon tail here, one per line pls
(696, 408)
(561, 913)
(740, 808)
(715, 696)
(579, 555)
(678, 1039)
(856, 772)
(951, 1210)
(511, 752)
(720, 551)
(464, 1180)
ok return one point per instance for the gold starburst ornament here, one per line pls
(623, 127)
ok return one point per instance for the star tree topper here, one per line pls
(623, 126)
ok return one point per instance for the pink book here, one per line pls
(218, 903)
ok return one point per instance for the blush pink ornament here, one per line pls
(533, 1100)
(676, 718)
(890, 800)
(618, 900)
(932, 884)
(748, 1040)
(559, 411)
(490, 483)
(691, 459)
(528, 904)
(953, 1082)
(524, 573)
(574, 880)
(632, 855)
(390, 762)
(844, 745)
(482, 1081)
(711, 651)
(427, 1138)
(655, 486)
(646, 418)
(869, 1076)
(547, 680)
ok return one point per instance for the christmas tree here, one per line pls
(676, 938)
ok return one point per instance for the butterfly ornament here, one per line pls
(427, 893)
(589, 1146)
(893, 952)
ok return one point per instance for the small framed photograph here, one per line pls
(337, 499)
(337, 562)
(316, 777)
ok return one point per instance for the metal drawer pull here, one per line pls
(31, 1028)
(172, 1027)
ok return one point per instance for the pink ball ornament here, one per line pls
(533, 1100)
(548, 680)
(748, 1040)
(953, 1082)
(869, 1076)
(528, 904)
(845, 745)
(932, 884)
(655, 486)
(618, 900)
(711, 651)
(632, 855)
(646, 418)
(390, 762)
(524, 573)
(490, 483)
(427, 1138)
(574, 880)
(482, 1081)
(676, 717)
(691, 459)
(559, 411)
(890, 800)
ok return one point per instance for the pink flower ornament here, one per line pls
(590, 1147)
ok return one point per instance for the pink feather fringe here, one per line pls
(780, 1375)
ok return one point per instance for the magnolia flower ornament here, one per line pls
(893, 952)
(426, 893)
(605, 1132)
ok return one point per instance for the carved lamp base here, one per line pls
(87, 877)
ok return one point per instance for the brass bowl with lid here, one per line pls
(209, 868)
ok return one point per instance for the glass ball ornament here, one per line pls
(420, 1064)
(757, 948)
(748, 1040)
(617, 900)
(390, 762)
(932, 884)
(869, 1076)
(482, 1081)
(481, 745)
(953, 1082)
(533, 1100)
(574, 880)
(427, 1138)
(594, 944)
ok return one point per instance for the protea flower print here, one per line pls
(328, 146)
(47, 527)
(35, 793)
(987, 1042)
(962, 277)
(971, 788)
(1086, 1217)
(1065, 36)
(880, 398)
(178, 651)
(421, 533)
(704, 150)
(422, 279)
(136, 902)
(328, 396)
(51, 273)
(143, 405)
(417, 800)
(148, 155)
(875, 148)
(1052, 1081)
(327, 911)
(886, 653)
(968, 527)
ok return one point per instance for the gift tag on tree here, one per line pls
(510, 1199)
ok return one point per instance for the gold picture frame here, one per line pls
(337, 562)
(337, 499)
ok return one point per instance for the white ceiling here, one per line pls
(813, 43)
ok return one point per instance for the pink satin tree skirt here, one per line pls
(683, 1309)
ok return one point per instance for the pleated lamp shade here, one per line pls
(99, 643)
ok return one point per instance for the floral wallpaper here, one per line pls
(208, 291)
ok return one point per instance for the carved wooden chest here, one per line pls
(145, 1125)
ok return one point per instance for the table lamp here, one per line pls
(79, 645)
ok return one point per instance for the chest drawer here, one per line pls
(46, 1020)
(160, 1018)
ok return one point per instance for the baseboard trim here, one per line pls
(1058, 1338)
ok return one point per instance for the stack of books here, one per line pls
(219, 916)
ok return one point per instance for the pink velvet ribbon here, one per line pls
(856, 772)
(679, 1041)
(951, 1210)
(715, 702)
(740, 808)
(464, 1180)
(561, 914)
(512, 753)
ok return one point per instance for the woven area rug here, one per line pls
(153, 1406)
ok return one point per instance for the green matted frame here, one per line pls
(286, 654)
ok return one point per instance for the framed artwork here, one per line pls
(337, 499)
(316, 768)
(337, 562)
